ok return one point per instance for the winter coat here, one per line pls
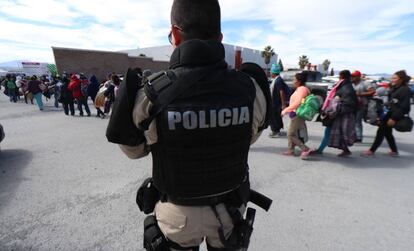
(65, 95)
(399, 104)
(34, 87)
(110, 93)
(75, 87)
(93, 87)
(348, 98)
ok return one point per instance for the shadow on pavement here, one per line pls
(12, 163)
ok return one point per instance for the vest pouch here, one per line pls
(147, 196)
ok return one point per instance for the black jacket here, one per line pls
(349, 99)
(66, 96)
(399, 104)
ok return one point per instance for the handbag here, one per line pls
(404, 125)
(309, 108)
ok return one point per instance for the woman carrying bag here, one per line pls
(343, 133)
(395, 114)
(327, 115)
(297, 123)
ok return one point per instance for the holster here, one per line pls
(154, 240)
(242, 230)
(147, 196)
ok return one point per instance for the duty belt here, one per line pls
(254, 197)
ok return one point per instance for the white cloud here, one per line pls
(47, 11)
(361, 35)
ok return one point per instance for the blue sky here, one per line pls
(373, 36)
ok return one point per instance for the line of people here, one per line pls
(31, 88)
(69, 89)
(342, 114)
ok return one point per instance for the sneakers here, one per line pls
(368, 154)
(305, 154)
(277, 134)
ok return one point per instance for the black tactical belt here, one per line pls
(255, 197)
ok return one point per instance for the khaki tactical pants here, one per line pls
(189, 226)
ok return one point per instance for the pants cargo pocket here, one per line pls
(170, 221)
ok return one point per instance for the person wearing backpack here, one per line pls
(297, 123)
(110, 93)
(365, 91)
(76, 87)
(11, 88)
(397, 109)
(34, 88)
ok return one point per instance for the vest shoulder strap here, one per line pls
(164, 87)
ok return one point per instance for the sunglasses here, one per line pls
(170, 34)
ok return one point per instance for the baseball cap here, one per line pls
(356, 74)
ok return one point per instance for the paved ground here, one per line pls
(63, 187)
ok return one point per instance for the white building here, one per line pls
(163, 53)
(25, 67)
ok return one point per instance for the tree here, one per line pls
(326, 65)
(303, 61)
(267, 54)
(332, 72)
(281, 68)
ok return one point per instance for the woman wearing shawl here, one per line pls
(338, 114)
(327, 114)
(297, 123)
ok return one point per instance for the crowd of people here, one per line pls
(67, 90)
(342, 114)
(350, 102)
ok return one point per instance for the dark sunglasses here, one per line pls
(170, 34)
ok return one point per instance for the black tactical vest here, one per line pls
(204, 135)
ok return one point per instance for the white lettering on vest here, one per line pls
(244, 115)
(224, 117)
(191, 120)
(213, 118)
(173, 118)
(203, 123)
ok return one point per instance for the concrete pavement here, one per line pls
(63, 187)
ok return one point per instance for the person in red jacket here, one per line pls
(75, 87)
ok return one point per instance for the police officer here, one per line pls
(200, 141)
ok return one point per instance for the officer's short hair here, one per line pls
(198, 19)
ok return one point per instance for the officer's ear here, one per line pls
(221, 37)
(176, 39)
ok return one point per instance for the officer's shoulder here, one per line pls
(158, 82)
(255, 72)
